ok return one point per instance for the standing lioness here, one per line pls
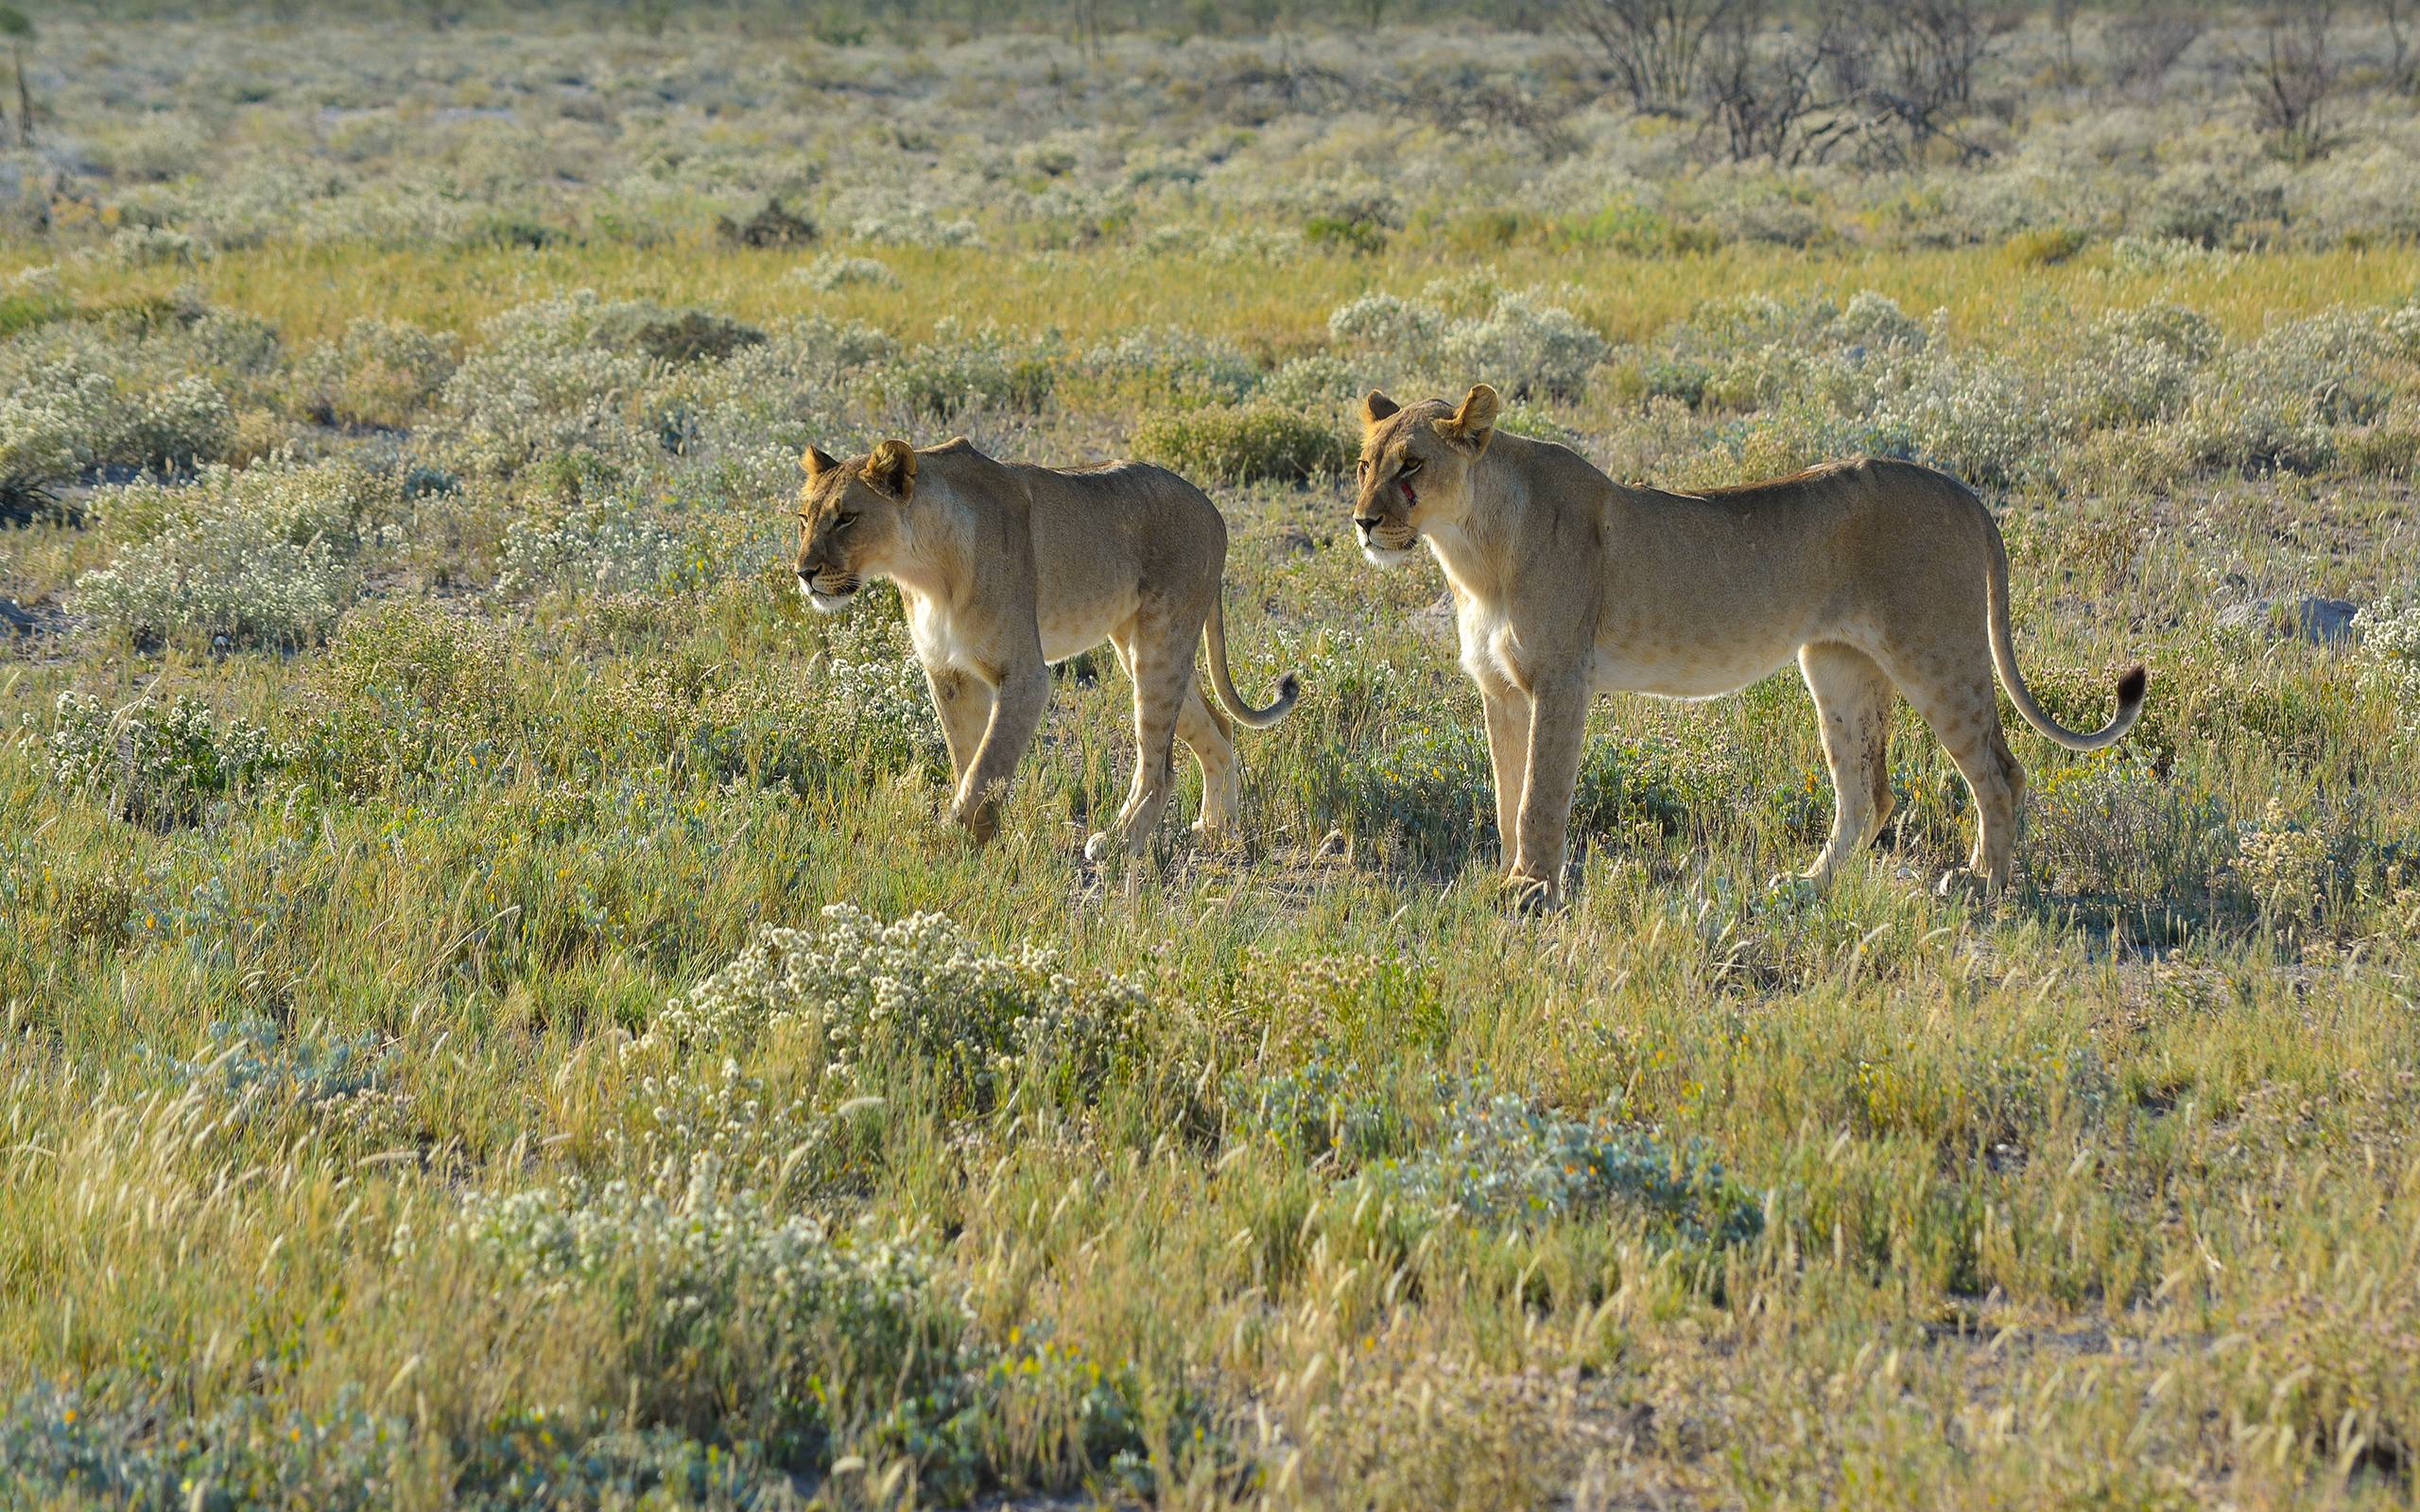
(1006, 568)
(1875, 575)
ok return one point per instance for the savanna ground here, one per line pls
(492, 1018)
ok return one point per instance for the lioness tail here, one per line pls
(1213, 644)
(2132, 685)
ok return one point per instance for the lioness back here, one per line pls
(1130, 516)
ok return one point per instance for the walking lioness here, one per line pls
(1006, 568)
(1876, 576)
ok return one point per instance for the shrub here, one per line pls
(65, 1448)
(957, 371)
(1318, 383)
(405, 684)
(74, 401)
(1526, 348)
(2105, 827)
(834, 271)
(157, 766)
(734, 1318)
(772, 226)
(609, 545)
(1167, 366)
(1404, 331)
(266, 557)
(676, 336)
(1242, 444)
(1319, 1110)
(862, 712)
(504, 409)
(252, 1071)
(379, 373)
(42, 443)
(916, 997)
(1502, 1159)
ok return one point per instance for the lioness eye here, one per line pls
(1410, 466)
(844, 521)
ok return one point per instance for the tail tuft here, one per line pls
(2132, 686)
(1290, 684)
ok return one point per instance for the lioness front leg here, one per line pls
(964, 702)
(1507, 753)
(1558, 730)
(1017, 703)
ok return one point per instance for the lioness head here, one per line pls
(1415, 468)
(852, 521)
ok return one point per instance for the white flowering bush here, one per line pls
(379, 373)
(1403, 331)
(1167, 365)
(265, 557)
(43, 440)
(610, 546)
(1524, 347)
(2390, 638)
(959, 369)
(158, 765)
(1527, 349)
(1494, 1158)
(504, 409)
(913, 230)
(1322, 385)
(917, 1000)
(735, 1317)
(2150, 255)
(75, 402)
(1751, 349)
(834, 271)
(147, 246)
(1987, 420)
(2277, 402)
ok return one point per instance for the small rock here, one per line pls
(2318, 620)
(2327, 621)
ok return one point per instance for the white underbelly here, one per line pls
(1693, 673)
(941, 644)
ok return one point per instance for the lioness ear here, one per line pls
(1376, 406)
(891, 469)
(1470, 427)
(817, 461)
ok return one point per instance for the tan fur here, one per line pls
(1880, 577)
(1005, 568)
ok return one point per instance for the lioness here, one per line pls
(1006, 568)
(1875, 575)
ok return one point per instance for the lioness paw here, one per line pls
(981, 821)
(1532, 895)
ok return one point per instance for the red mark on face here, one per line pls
(1409, 497)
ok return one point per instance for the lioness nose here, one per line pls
(1367, 522)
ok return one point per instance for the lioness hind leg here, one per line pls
(1852, 702)
(1162, 667)
(1206, 733)
(1965, 714)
